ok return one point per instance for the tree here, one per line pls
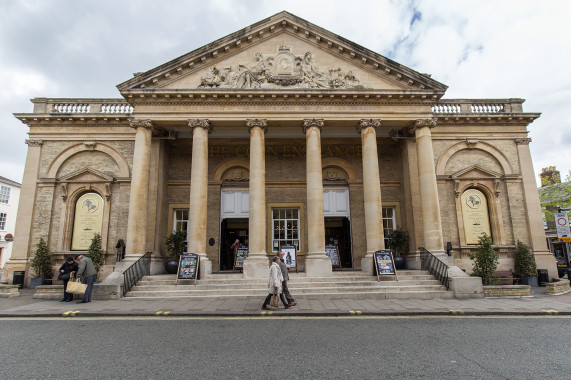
(485, 260)
(95, 252)
(42, 262)
(524, 260)
(397, 241)
(553, 197)
(176, 244)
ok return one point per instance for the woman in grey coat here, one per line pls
(275, 284)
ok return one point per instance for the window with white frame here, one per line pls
(389, 222)
(2, 221)
(285, 222)
(4, 194)
(180, 221)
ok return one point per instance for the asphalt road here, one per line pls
(272, 348)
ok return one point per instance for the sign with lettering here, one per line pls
(240, 150)
(290, 255)
(239, 257)
(475, 215)
(332, 251)
(562, 224)
(188, 267)
(88, 220)
(384, 263)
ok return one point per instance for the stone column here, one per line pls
(543, 258)
(316, 262)
(137, 219)
(432, 227)
(371, 191)
(257, 264)
(198, 193)
(25, 216)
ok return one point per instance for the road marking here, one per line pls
(163, 313)
(268, 313)
(352, 312)
(70, 313)
(355, 312)
(457, 312)
(158, 312)
(551, 312)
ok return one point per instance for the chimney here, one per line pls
(549, 176)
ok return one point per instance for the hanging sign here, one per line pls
(562, 224)
(239, 257)
(384, 263)
(290, 255)
(188, 267)
(332, 251)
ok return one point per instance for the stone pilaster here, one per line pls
(257, 264)
(371, 191)
(198, 193)
(431, 223)
(138, 200)
(25, 216)
(316, 263)
(543, 257)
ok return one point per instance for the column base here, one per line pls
(318, 265)
(256, 266)
(367, 264)
(205, 268)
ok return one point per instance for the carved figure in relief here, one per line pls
(311, 74)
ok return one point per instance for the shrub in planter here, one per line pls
(95, 252)
(397, 241)
(176, 245)
(42, 263)
(485, 260)
(525, 265)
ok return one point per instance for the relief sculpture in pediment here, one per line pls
(283, 69)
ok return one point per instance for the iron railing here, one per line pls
(135, 272)
(434, 266)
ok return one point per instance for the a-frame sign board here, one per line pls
(384, 264)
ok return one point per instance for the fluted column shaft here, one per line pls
(256, 265)
(371, 191)
(317, 263)
(137, 219)
(197, 214)
(431, 223)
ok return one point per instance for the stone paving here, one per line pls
(539, 303)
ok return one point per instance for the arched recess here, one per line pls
(340, 163)
(224, 166)
(494, 152)
(70, 152)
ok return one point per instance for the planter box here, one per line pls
(8, 291)
(507, 290)
(557, 287)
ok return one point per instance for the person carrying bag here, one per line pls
(75, 286)
(65, 272)
(275, 285)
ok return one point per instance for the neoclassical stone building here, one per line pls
(282, 132)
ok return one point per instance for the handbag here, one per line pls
(76, 287)
(64, 277)
(274, 302)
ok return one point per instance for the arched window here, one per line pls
(87, 220)
(475, 215)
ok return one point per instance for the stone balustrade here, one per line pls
(81, 106)
(478, 106)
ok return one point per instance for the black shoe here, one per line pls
(63, 300)
(69, 300)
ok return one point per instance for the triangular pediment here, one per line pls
(282, 52)
(86, 175)
(475, 172)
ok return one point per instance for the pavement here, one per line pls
(539, 303)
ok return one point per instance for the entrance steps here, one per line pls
(340, 285)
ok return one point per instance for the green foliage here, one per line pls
(176, 244)
(524, 260)
(95, 252)
(485, 260)
(397, 241)
(554, 197)
(42, 262)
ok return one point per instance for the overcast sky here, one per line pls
(480, 49)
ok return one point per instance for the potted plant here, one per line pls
(176, 245)
(485, 260)
(42, 264)
(95, 252)
(397, 241)
(525, 265)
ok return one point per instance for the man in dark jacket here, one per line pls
(285, 290)
(87, 272)
(65, 272)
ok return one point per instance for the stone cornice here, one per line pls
(34, 142)
(497, 119)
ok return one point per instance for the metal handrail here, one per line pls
(140, 268)
(434, 266)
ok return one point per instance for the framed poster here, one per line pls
(290, 255)
(332, 251)
(239, 257)
(384, 263)
(188, 267)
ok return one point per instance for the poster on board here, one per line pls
(332, 251)
(239, 257)
(384, 263)
(290, 255)
(188, 267)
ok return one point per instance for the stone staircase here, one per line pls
(341, 285)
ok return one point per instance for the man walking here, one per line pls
(87, 272)
(285, 290)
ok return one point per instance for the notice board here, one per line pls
(332, 251)
(188, 267)
(239, 257)
(290, 255)
(384, 263)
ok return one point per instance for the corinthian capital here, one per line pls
(308, 123)
(141, 123)
(35, 142)
(200, 123)
(253, 123)
(421, 123)
(366, 123)
(523, 140)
